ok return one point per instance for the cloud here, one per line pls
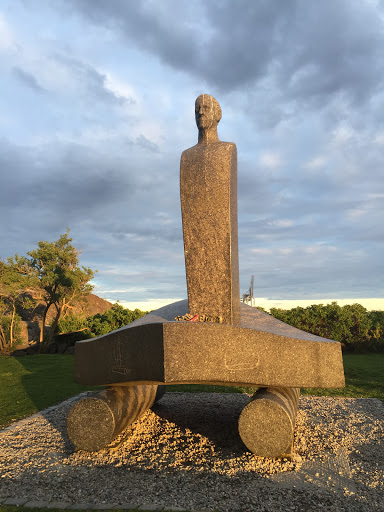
(7, 40)
(28, 79)
(317, 162)
(99, 147)
(90, 191)
(93, 84)
(312, 52)
(146, 143)
(270, 160)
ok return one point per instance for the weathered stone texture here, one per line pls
(94, 422)
(267, 423)
(264, 352)
(208, 191)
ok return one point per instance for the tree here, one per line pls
(12, 288)
(55, 267)
(377, 321)
(3, 340)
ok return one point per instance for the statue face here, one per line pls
(205, 112)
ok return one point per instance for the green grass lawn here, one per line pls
(364, 378)
(31, 383)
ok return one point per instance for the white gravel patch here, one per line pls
(187, 453)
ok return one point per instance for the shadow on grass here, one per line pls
(32, 383)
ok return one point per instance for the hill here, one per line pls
(31, 318)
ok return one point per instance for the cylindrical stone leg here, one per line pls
(267, 423)
(95, 421)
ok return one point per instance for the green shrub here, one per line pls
(99, 324)
(114, 318)
(352, 325)
(71, 323)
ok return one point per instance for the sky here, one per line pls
(97, 105)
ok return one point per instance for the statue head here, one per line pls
(207, 112)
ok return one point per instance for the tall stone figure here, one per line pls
(249, 347)
(208, 192)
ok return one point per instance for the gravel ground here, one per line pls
(186, 453)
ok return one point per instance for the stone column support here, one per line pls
(267, 423)
(95, 421)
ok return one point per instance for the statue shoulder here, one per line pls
(187, 153)
(203, 147)
(199, 150)
(231, 146)
(191, 149)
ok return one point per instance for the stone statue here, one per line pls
(208, 192)
(249, 347)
